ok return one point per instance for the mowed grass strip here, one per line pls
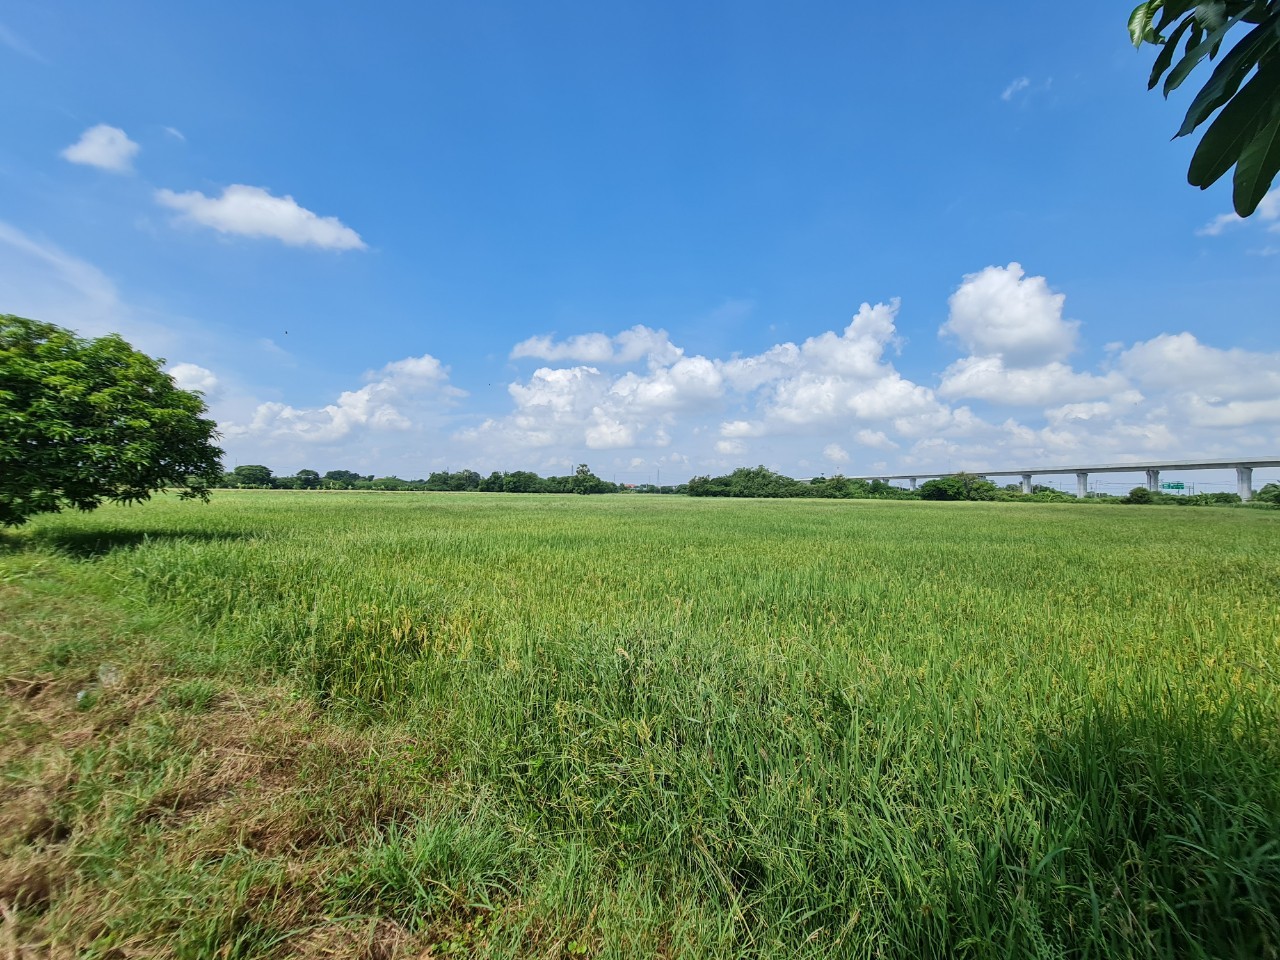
(660, 726)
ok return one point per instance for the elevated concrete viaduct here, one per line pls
(1243, 467)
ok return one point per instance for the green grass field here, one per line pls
(487, 725)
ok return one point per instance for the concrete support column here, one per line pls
(1082, 485)
(1244, 482)
(913, 483)
(1153, 480)
(1026, 483)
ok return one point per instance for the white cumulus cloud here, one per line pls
(638, 343)
(585, 348)
(392, 400)
(690, 381)
(876, 439)
(839, 391)
(192, 376)
(105, 147)
(987, 378)
(1181, 363)
(742, 428)
(254, 212)
(999, 312)
(1211, 386)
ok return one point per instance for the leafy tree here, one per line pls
(308, 479)
(1269, 494)
(492, 483)
(1245, 85)
(521, 481)
(702, 486)
(444, 480)
(344, 478)
(839, 487)
(884, 490)
(584, 481)
(83, 421)
(958, 486)
(556, 484)
(1140, 495)
(253, 475)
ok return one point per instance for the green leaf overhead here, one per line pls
(1244, 88)
(1256, 168)
(1223, 83)
(1165, 57)
(1140, 22)
(1208, 46)
(1239, 123)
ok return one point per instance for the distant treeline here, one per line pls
(743, 482)
(257, 477)
(762, 482)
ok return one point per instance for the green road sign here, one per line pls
(1176, 485)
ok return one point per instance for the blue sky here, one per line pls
(661, 240)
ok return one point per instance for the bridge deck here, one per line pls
(1136, 467)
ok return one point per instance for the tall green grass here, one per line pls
(759, 729)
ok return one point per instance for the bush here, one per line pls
(1140, 495)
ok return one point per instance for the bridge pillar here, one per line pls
(913, 483)
(1153, 480)
(1082, 485)
(1026, 483)
(1244, 482)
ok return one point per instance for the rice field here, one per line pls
(715, 728)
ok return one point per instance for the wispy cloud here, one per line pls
(72, 274)
(1268, 212)
(175, 133)
(45, 282)
(1016, 87)
(254, 212)
(104, 147)
(15, 43)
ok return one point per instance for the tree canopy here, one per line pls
(958, 486)
(253, 475)
(85, 421)
(1245, 85)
